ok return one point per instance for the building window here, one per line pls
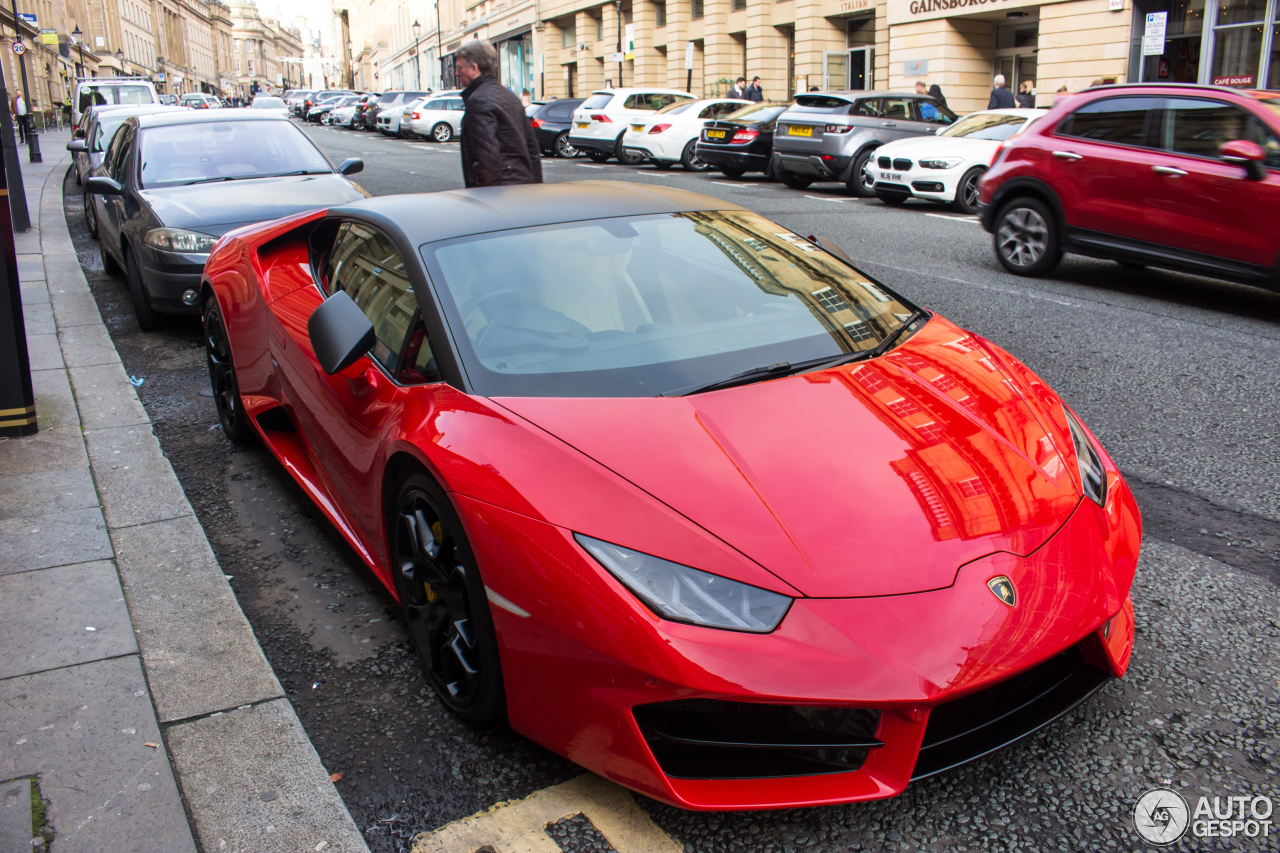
(696, 9)
(859, 331)
(830, 300)
(904, 408)
(568, 36)
(1237, 43)
(659, 14)
(237, 67)
(600, 29)
(737, 5)
(972, 487)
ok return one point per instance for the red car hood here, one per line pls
(871, 479)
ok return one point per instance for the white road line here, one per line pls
(737, 186)
(973, 219)
(836, 200)
(590, 166)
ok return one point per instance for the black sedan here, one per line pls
(551, 123)
(171, 184)
(743, 141)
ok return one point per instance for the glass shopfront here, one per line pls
(1225, 42)
(515, 62)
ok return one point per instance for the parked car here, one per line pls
(551, 123)
(437, 117)
(602, 119)
(172, 183)
(742, 141)
(320, 112)
(342, 113)
(297, 100)
(366, 101)
(670, 135)
(320, 97)
(1180, 176)
(948, 167)
(830, 136)
(272, 105)
(389, 109)
(168, 100)
(101, 124)
(199, 101)
(104, 91)
(618, 495)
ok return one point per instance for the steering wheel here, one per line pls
(475, 302)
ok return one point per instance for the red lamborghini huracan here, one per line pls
(683, 495)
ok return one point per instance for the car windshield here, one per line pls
(757, 112)
(640, 306)
(103, 94)
(225, 150)
(994, 126)
(268, 104)
(596, 101)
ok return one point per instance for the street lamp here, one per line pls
(417, 57)
(439, 52)
(79, 40)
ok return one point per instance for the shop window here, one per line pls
(1236, 53)
(1273, 79)
(1241, 11)
(1123, 121)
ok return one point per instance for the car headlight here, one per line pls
(177, 240)
(941, 163)
(682, 594)
(1092, 474)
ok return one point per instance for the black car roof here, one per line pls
(428, 217)
(203, 117)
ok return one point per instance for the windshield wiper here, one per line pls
(880, 348)
(291, 174)
(207, 180)
(744, 378)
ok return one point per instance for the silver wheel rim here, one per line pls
(868, 180)
(971, 192)
(694, 162)
(442, 134)
(1023, 236)
(565, 149)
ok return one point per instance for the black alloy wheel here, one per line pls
(966, 200)
(442, 132)
(1026, 240)
(690, 160)
(90, 217)
(563, 148)
(222, 376)
(148, 319)
(862, 183)
(623, 157)
(108, 263)
(444, 602)
(791, 179)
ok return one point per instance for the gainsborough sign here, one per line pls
(905, 11)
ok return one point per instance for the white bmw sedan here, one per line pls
(946, 168)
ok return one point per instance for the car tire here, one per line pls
(771, 169)
(623, 157)
(148, 319)
(895, 199)
(563, 148)
(733, 174)
(90, 217)
(79, 181)
(598, 156)
(689, 158)
(222, 376)
(662, 165)
(861, 183)
(445, 605)
(966, 200)
(108, 263)
(1025, 237)
(791, 179)
(442, 132)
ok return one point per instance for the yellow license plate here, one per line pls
(715, 134)
(583, 125)
(637, 127)
(799, 130)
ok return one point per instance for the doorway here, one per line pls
(1015, 53)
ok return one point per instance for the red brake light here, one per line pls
(416, 115)
(745, 136)
(537, 122)
(838, 128)
(658, 128)
(307, 102)
(601, 117)
(995, 157)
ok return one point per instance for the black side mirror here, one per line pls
(77, 145)
(831, 248)
(103, 186)
(350, 166)
(340, 333)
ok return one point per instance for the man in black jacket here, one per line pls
(498, 143)
(1001, 98)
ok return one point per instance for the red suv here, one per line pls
(1184, 177)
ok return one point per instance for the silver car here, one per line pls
(101, 123)
(437, 117)
(830, 136)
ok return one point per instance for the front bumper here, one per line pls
(168, 275)
(909, 657)
(825, 167)
(932, 184)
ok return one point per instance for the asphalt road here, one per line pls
(1175, 374)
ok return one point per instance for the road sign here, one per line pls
(28, 18)
(49, 37)
(615, 57)
(688, 56)
(19, 48)
(1153, 34)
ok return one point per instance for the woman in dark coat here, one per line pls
(935, 92)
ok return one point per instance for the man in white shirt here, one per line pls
(20, 111)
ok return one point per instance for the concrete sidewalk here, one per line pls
(133, 690)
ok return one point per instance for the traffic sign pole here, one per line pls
(13, 171)
(17, 399)
(33, 142)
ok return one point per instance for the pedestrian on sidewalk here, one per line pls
(935, 92)
(498, 144)
(1001, 98)
(1026, 96)
(739, 89)
(754, 92)
(20, 115)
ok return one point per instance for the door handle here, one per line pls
(1168, 170)
(888, 124)
(1068, 155)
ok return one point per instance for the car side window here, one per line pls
(719, 110)
(1125, 121)
(933, 112)
(895, 109)
(367, 267)
(457, 104)
(113, 150)
(120, 168)
(867, 107)
(434, 105)
(1199, 127)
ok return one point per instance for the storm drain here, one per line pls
(583, 815)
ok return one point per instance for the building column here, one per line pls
(766, 52)
(722, 59)
(648, 66)
(677, 34)
(590, 69)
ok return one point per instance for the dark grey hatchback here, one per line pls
(171, 184)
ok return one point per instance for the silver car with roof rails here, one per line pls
(830, 136)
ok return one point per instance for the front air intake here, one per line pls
(712, 739)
